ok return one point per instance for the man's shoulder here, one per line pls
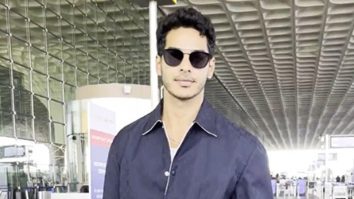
(241, 143)
(235, 133)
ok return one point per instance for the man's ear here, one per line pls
(158, 65)
(211, 68)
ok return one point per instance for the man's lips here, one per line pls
(184, 81)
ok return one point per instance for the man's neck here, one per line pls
(180, 112)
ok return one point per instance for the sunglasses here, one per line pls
(198, 59)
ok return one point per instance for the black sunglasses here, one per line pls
(198, 59)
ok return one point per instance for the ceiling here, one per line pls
(288, 66)
(284, 71)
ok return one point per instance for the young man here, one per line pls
(184, 149)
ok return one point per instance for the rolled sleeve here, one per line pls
(255, 182)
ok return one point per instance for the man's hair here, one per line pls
(187, 18)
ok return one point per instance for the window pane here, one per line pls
(21, 77)
(121, 78)
(41, 129)
(69, 53)
(69, 93)
(82, 78)
(24, 127)
(40, 105)
(55, 67)
(103, 72)
(3, 18)
(112, 76)
(56, 89)
(36, 13)
(6, 126)
(52, 23)
(57, 167)
(69, 74)
(17, 24)
(81, 60)
(38, 39)
(5, 98)
(41, 122)
(23, 102)
(4, 44)
(19, 51)
(67, 31)
(58, 133)
(4, 76)
(38, 60)
(54, 45)
(93, 80)
(92, 66)
(39, 84)
(53, 6)
(57, 111)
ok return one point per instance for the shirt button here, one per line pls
(173, 172)
(167, 173)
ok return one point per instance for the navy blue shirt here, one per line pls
(216, 160)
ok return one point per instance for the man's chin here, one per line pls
(185, 96)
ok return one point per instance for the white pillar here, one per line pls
(153, 53)
(326, 156)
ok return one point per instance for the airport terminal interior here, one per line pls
(284, 72)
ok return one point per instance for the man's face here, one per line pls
(185, 81)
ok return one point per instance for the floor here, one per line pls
(292, 197)
(309, 196)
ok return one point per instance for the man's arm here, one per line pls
(111, 182)
(255, 181)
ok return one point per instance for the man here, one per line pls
(184, 149)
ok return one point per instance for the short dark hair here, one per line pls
(188, 18)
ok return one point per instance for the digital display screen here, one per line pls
(12, 151)
(342, 142)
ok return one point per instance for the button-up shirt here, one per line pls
(216, 160)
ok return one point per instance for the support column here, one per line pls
(153, 53)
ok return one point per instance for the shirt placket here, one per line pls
(171, 172)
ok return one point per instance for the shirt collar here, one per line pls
(153, 119)
(206, 119)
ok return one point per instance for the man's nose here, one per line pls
(186, 64)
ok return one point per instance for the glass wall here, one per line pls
(48, 48)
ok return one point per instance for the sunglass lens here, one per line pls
(173, 57)
(199, 59)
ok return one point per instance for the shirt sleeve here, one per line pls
(255, 181)
(112, 177)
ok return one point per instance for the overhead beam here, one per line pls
(145, 3)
